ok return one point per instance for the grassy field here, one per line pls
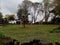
(31, 32)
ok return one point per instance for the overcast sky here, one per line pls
(10, 6)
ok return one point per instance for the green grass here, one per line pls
(31, 32)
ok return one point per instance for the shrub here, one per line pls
(56, 30)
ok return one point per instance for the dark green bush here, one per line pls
(56, 30)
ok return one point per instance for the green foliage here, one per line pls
(55, 20)
(23, 11)
(1, 15)
(10, 17)
(56, 30)
(56, 11)
(20, 13)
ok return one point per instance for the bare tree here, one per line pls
(47, 5)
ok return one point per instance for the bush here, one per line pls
(56, 30)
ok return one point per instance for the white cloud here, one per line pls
(9, 5)
(36, 0)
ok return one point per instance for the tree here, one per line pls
(1, 18)
(19, 13)
(47, 5)
(1, 15)
(35, 6)
(10, 17)
(46, 9)
(57, 7)
(3, 21)
(23, 12)
(56, 10)
(56, 20)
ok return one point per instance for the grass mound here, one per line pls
(2, 35)
(4, 40)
